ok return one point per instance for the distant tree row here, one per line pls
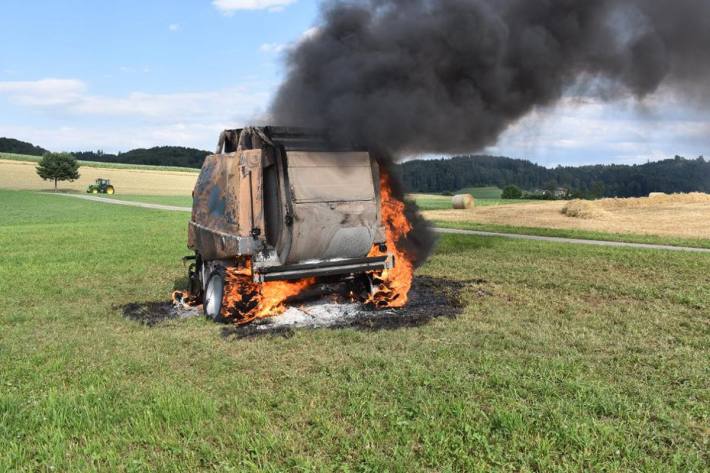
(605, 180)
(11, 145)
(158, 156)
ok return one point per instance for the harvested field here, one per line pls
(21, 175)
(686, 216)
(583, 209)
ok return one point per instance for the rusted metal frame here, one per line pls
(324, 269)
(245, 245)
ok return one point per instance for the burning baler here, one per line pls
(283, 206)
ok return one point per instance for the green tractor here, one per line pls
(101, 186)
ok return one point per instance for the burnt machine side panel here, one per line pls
(214, 225)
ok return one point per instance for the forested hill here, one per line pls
(449, 175)
(158, 156)
(11, 145)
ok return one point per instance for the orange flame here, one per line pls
(244, 300)
(392, 286)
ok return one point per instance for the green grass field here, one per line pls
(94, 164)
(575, 233)
(565, 358)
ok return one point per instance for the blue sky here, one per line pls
(78, 75)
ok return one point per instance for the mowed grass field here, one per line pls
(565, 358)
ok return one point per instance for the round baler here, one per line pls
(284, 204)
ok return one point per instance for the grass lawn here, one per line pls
(566, 358)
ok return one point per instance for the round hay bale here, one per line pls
(583, 209)
(463, 201)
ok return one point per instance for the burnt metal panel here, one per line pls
(290, 138)
(330, 177)
(251, 213)
(214, 244)
(327, 268)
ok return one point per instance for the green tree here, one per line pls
(58, 167)
(512, 192)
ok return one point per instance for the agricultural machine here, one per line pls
(101, 186)
(284, 204)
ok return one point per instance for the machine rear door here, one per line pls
(334, 205)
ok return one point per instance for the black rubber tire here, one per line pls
(214, 296)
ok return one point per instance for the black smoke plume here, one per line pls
(414, 76)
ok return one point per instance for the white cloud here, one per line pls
(72, 118)
(43, 93)
(174, 27)
(278, 48)
(121, 137)
(589, 131)
(70, 96)
(228, 7)
(273, 48)
(310, 33)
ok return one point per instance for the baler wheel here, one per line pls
(213, 297)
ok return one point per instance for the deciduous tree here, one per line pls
(58, 167)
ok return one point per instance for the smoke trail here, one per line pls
(452, 75)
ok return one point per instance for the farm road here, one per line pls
(454, 231)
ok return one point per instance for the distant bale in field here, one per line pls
(463, 201)
(654, 195)
(583, 209)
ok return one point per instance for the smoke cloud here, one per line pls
(414, 76)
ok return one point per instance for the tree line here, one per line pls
(11, 145)
(452, 174)
(157, 156)
(604, 180)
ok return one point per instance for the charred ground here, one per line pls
(431, 298)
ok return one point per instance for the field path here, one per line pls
(574, 241)
(454, 231)
(144, 205)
